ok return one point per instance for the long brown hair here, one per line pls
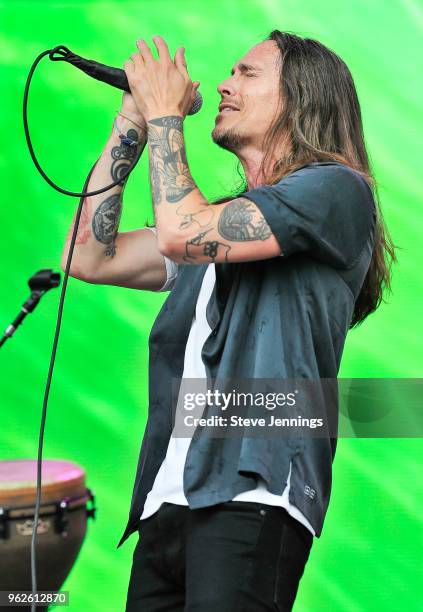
(320, 120)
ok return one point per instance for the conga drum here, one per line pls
(66, 504)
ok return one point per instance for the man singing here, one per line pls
(263, 285)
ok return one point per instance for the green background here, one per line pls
(369, 555)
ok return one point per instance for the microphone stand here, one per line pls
(39, 284)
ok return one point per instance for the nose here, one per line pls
(226, 87)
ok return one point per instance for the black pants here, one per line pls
(231, 557)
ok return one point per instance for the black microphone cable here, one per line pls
(31, 150)
(61, 301)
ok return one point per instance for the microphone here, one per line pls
(113, 76)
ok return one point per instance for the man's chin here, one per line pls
(229, 139)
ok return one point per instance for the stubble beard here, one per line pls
(229, 139)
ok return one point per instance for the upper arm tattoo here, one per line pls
(237, 222)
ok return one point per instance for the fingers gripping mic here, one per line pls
(113, 76)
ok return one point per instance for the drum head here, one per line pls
(60, 479)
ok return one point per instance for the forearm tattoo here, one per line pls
(171, 181)
(106, 222)
(169, 173)
(124, 154)
(106, 218)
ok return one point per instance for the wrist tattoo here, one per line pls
(124, 154)
(169, 173)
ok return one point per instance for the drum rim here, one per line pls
(68, 504)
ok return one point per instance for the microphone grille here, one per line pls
(198, 103)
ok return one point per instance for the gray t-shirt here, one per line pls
(280, 318)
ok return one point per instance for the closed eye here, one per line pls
(247, 74)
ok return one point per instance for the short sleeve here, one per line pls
(171, 268)
(324, 210)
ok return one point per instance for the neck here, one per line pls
(251, 159)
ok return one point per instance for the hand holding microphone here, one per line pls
(115, 77)
(160, 87)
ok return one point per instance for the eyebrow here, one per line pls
(244, 67)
